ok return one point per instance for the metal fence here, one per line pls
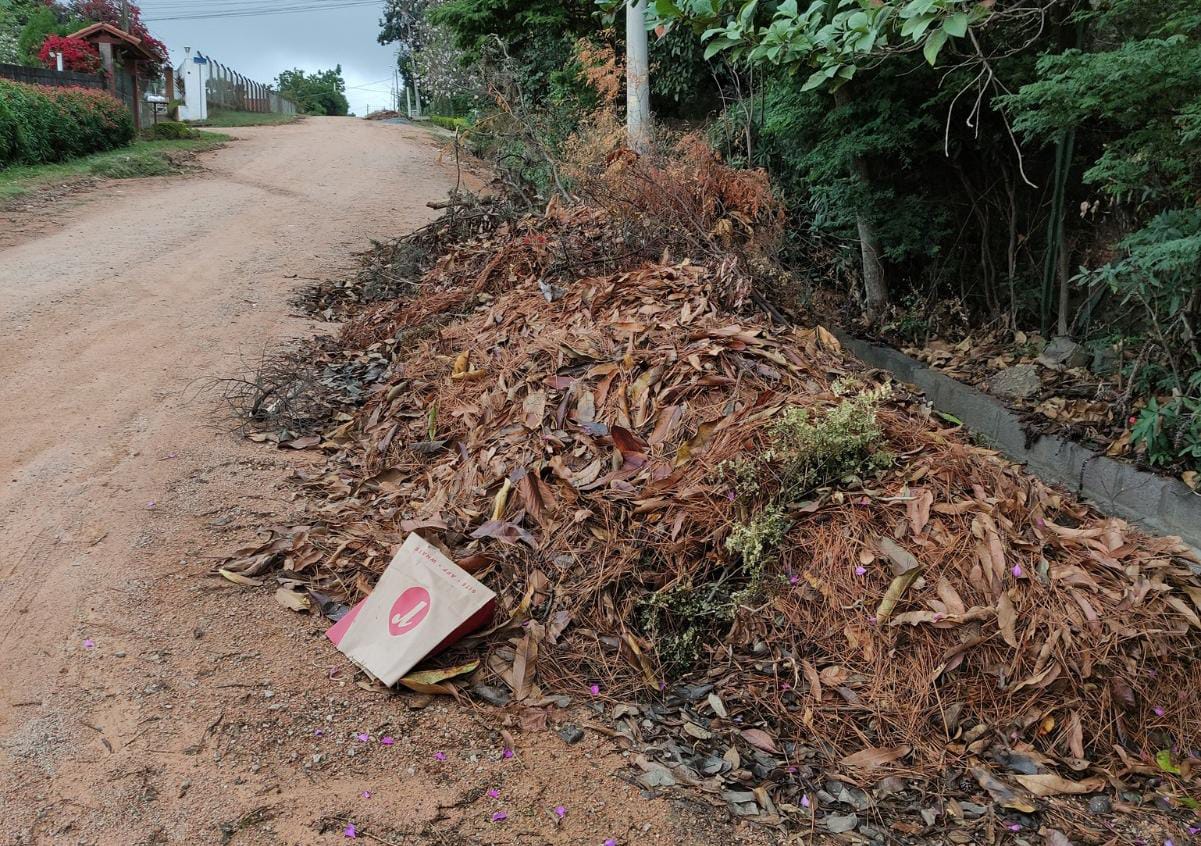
(225, 88)
(59, 79)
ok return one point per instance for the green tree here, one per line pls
(318, 93)
(40, 21)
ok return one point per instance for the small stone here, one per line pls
(571, 734)
(840, 823)
(492, 695)
(1063, 352)
(1018, 382)
(1100, 804)
(120, 653)
(657, 776)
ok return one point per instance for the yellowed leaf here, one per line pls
(239, 579)
(1049, 784)
(434, 681)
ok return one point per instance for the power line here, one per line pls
(260, 11)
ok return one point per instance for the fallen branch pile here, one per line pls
(678, 502)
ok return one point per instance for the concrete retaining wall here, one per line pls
(1160, 504)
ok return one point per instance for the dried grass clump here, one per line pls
(680, 198)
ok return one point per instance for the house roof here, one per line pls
(99, 32)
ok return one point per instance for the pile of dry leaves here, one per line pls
(803, 573)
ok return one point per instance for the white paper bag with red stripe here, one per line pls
(422, 604)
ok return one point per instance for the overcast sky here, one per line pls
(260, 46)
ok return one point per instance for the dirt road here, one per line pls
(142, 699)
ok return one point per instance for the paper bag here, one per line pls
(422, 604)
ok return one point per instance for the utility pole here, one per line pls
(638, 98)
(125, 15)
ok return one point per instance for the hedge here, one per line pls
(40, 124)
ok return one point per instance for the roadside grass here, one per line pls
(141, 158)
(220, 117)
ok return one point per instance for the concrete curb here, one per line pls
(1160, 504)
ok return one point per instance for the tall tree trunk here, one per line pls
(875, 286)
(638, 97)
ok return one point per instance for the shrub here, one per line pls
(171, 130)
(451, 123)
(39, 124)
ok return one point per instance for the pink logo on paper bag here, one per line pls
(408, 610)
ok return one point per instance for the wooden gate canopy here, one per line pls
(112, 42)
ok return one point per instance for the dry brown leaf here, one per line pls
(761, 740)
(918, 510)
(1007, 620)
(874, 756)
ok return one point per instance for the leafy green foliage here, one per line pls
(451, 123)
(833, 37)
(41, 22)
(1144, 96)
(39, 124)
(682, 619)
(802, 453)
(1170, 432)
(319, 93)
(171, 130)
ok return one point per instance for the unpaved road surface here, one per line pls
(142, 699)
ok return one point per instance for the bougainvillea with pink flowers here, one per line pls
(78, 55)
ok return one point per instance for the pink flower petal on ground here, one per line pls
(1159, 712)
(499, 816)
(785, 686)
(804, 800)
(493, 793)
(610, 842)
(860, 571)
(1192, 829)
(508, 753)
(88, 643)
(439, 756)
(1014, 826)
(1017, 571)
(560, 811)
(366, 794)
(794, 580)
(595, 689)
(150, 504)
(362, 737)
(350, 831)
(386, 741)
(318, 733)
